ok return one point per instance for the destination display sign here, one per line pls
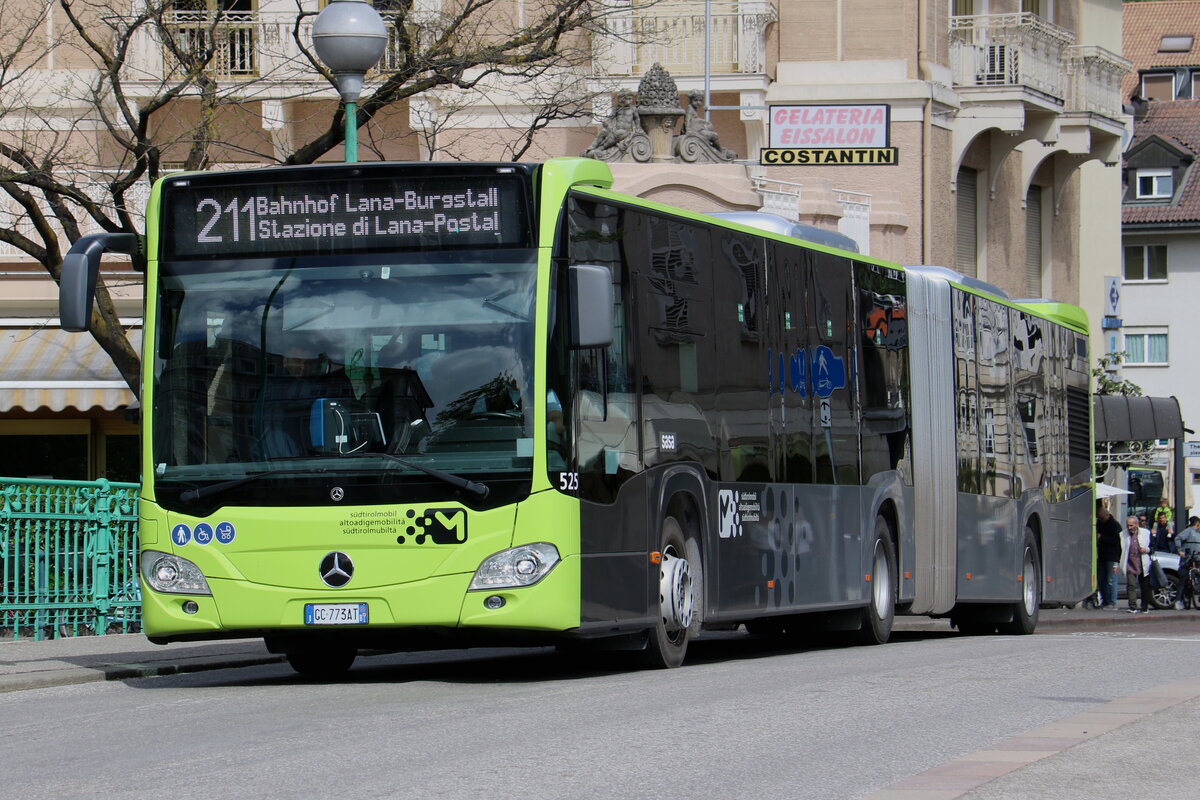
(327, 216)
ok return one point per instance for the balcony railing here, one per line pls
(1009, 50)
(1094, 80)
(674, 33)
(241, 46)
(228, 43)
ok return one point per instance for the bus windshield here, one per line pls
(311, 369)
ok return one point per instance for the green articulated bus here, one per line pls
(399, 406)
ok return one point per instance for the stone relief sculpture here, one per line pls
(621, 133)
(658, 107)
(646, 132)
(699, 140)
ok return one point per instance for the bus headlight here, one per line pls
(164, 572)
(515, 567)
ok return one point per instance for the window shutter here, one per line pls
(966, 243)
(1033, 242)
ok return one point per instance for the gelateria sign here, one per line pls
(829, 135)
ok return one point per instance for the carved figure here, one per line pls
(619, 133)
(699, 140)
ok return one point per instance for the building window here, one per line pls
(1145, 348)
(1146, 262)
(963, 8)
(1180, 43)
(1155, 184)
(1160, 86)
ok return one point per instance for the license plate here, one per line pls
(335, 613)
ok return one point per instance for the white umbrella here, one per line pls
(1104, 490)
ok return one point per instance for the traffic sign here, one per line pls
(1112, 296)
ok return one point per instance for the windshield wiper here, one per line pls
(201, 492)
(473, 487)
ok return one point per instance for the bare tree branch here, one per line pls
(98, 101)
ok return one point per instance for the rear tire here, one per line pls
(330, 662)
(1025, 613)
(878, 616)
(678, 596)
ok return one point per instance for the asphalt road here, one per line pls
(745, 717)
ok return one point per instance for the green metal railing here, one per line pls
(68, 558)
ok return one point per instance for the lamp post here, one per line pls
(349, 37)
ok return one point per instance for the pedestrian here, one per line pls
(1188, 542)
(1135, 560)
(1108, 556)
(1162, 541)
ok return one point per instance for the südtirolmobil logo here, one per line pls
(730, 519)
(439, 525)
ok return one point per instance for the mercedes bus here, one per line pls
(397, 406)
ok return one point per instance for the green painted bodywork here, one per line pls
(262, 580)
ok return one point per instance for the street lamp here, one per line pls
(349, 37)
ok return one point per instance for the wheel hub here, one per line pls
(675, 592)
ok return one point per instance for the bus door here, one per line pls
(832, 375)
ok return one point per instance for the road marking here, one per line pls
(956, 778)
(1135, 636)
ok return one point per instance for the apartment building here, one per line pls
(1160, 213)
(995, 136)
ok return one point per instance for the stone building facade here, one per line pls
(997, 153)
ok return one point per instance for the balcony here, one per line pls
(1026, 85)
(674, 33)
(1094, 80)
(1009, 50)
(245, 46)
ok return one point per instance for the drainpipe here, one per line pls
(925, 73)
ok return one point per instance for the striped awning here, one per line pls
(46, 367)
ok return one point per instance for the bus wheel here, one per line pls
(327, 662)
(1025, 613)
(676, 600)
(877, 617)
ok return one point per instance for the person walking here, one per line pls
(1135, 559)
(1108, 557)
(1188, 542)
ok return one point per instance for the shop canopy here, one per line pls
(46, 367)
(1136, 419)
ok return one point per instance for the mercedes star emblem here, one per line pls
(337, 493)
(336, 569)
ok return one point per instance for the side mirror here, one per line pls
(591, 293)
(80, 267)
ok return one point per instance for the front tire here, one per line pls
(877, 618)
(678, 595)
(1025, 613)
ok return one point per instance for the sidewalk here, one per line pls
(26, 664)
